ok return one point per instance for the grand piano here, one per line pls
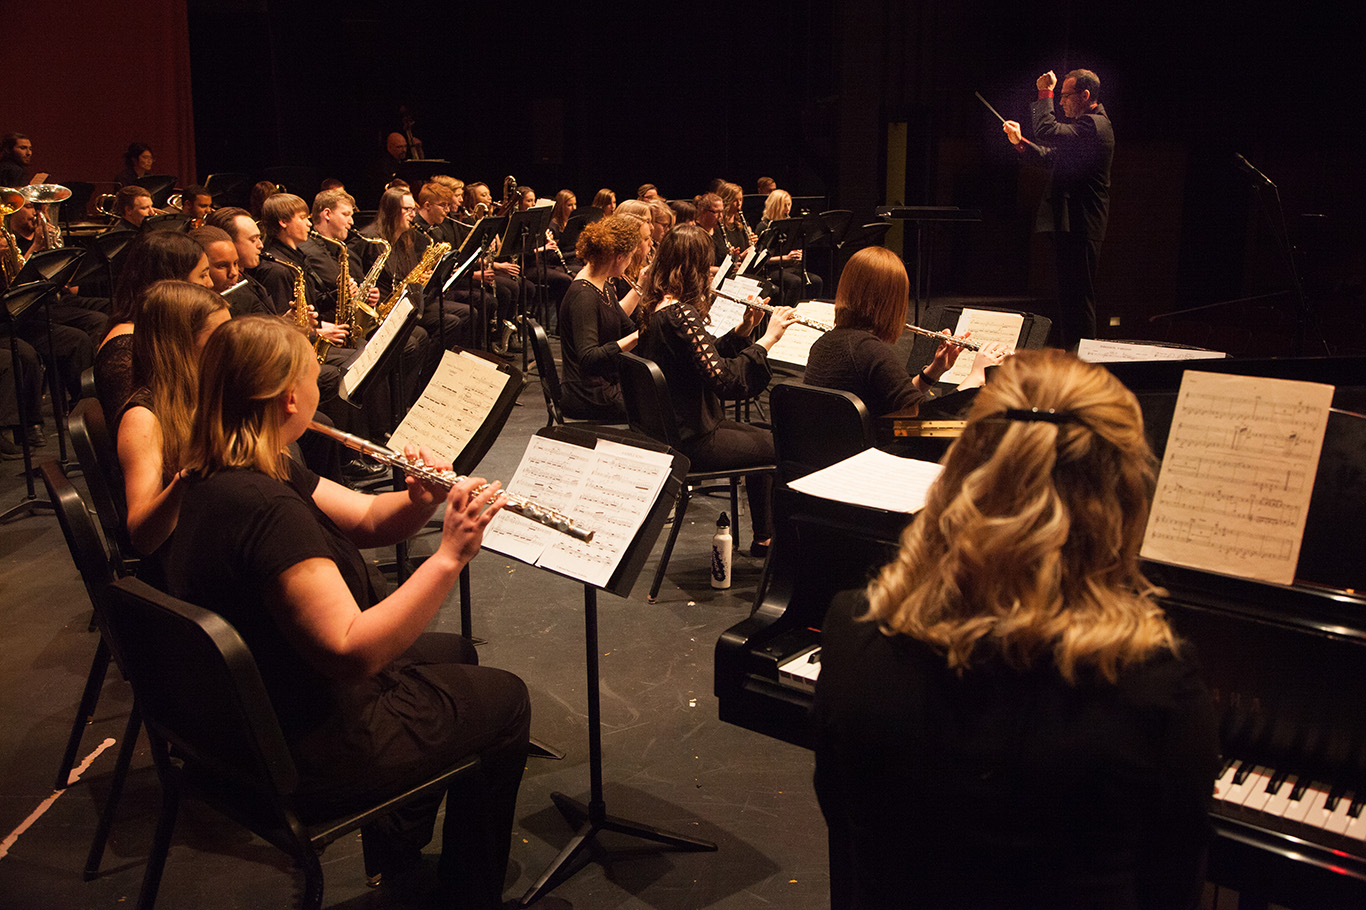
(1286, 664)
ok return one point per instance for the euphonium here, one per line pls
(11, 262)
(361, 303)
(421, 274)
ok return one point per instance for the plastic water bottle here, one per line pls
(720, 553)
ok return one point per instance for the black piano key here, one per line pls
(1243, 771)
(1354, 809)
(1277, 778)
(1301, 787)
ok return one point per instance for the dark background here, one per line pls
(564, 96)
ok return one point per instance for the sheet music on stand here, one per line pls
(1238, 474)
(375, 347)
(1093, 350)
(727, 314)
(453, 407)
(609, 490)
(721, 272)
(875, 479)
(985, 325)
(795, 346)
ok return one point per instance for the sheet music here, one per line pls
(722, 271)
(609, 490)
(453, 406)
(746, 262)
(985, 325)
(375, 346)
(725, 314)
(1238, 474)
(795, 345)
(1093, 350)
(874, 479)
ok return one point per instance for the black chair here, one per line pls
(98, 457)
(549, 374)
(814, 428)
(97, 572)
(650, 412)
(215, 735)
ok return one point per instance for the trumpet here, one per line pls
(384, 455)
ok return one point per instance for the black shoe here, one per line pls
(36, 439)
(10, 450)
(759, 550)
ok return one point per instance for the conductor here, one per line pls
(1077, 150)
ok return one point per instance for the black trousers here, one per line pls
(740, 445)
(1077, 258)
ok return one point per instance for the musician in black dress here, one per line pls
(702, 370)
(594, 326)
(1004, 717)
(368, 703)
(858, 354)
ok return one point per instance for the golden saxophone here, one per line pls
(525, 507)
(421, 274)
(345, 303)
(300, 306)
(360, 305)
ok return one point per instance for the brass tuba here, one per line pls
(11, 201)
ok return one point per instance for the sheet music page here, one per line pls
(614, 502)
(551, 473)
(379, 340)
(1093, 350)
(725, 314)
(1238, 474)
(985, 325)
(795, 345)
(748, 260)
(453, 406)
(874, 479)
(721, 273)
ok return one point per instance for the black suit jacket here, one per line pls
(1078, 154)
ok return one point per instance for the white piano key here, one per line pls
(1238, 790)
(1257, 795)
(1299, 808)
(1225, 781)
(802, 671)
(1317, 814)
(1356, 827)
(1338, 819)
(1280, 800)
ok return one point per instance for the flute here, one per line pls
(825, 326)
(387, 456)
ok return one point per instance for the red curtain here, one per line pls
(86, 77)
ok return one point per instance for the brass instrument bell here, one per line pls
(45, 193)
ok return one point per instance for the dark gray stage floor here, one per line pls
(668, 760)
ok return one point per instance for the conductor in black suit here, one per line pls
(1077, 148)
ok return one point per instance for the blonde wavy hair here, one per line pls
(1027, 550)
(247, 365)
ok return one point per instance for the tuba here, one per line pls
(42, 196)
(11, 201)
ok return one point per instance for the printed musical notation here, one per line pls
(609, 490)
(1234, 490)
(985, 325)
(795, 345)
(453, 406)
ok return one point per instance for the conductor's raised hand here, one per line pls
(1046, 82)
(425, 492)
(468, 513)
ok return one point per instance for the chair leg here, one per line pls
(111, 805)
(161, 841)
(313, 881)
(735, 512)
(90, 698)
(683, 496)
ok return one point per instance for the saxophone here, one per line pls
(361, 303)
(300, 306)
(421, 274)
(345, 303)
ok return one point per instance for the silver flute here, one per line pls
(385, 455)
(825, 326)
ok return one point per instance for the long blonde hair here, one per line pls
(1027, 549)
(166, 361)
(248, 364)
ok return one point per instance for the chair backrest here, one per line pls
(548, 371)
(814, 428)
(649, 409)
(99, 461)
(198, 688)
(82, 538)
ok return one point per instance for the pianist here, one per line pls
(1003, 717)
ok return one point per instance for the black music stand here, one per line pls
(581, 219)
(56, 266)
(480, 238)
(519, 241)
(592, 819)
(418, 171)
(16, 302)
(918, 215)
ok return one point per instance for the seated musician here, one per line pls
(174, 324)
(369, 704)
(565, 204)
(158, 256)
(858, 355)
(594, 325)
(606, 200)
(1004, 717)
(702, 370)
(786, 268)
(195, 204)
(137, 163)
(132, 206)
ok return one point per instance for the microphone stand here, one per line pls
(1275, 217)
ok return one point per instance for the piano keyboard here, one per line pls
(800, 670)
(1275, 796)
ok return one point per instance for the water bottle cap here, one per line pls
(723, 521)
